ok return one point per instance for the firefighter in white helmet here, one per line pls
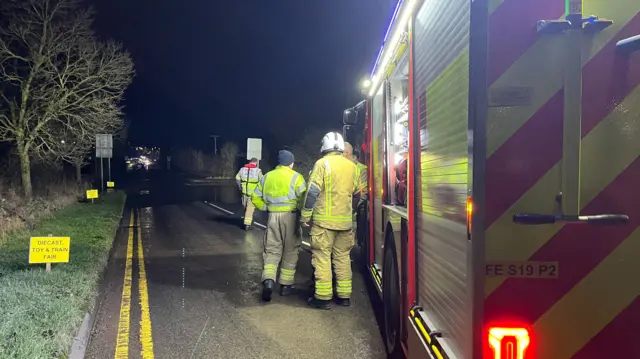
(332, 184)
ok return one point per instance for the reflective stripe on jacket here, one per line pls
(333, 182)
(248, 178)
(279, 190)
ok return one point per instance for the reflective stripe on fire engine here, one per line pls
(436, 345)
(376, 276)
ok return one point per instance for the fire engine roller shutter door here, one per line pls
(441, 82)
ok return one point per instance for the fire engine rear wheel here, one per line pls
(391, 298)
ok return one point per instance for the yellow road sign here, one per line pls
(49, 250)
(92, 193)
(111, 184)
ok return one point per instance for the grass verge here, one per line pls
(41, 312)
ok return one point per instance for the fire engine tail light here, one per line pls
(509, 343)
(469, 209)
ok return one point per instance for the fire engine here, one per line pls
(502, 139)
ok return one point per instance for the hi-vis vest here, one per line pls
(332, 184)
(279, 190)
(248, 178)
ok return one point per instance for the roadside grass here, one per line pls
(41, 312)
(16, 212)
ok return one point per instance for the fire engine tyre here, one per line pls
(391, 299)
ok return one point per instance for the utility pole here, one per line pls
(215, 144)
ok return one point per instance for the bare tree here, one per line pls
(76, 142)
(307, 151)
(57, 80)
(228, 156)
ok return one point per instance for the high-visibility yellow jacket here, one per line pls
(248, 178)
(279, 190)
(333, 182)
(363, 179)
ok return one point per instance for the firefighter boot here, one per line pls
(286, 290)
(267, 289)
(319, 303)
(343, 302)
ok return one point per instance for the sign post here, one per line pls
(254, 148)
(49, 250)
(104, 149)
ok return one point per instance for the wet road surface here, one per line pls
(195, 294)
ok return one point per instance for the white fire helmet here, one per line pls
(332, 142)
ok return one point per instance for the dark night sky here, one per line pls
(263, 68)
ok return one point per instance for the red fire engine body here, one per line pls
(514, 231)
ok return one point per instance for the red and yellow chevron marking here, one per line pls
(617, 330)
(535, 157)
(510, 130)
(595, 301)
(529, 155)
(511, 36)
(582, 313)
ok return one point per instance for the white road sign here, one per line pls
(254, 148)
(104, 146)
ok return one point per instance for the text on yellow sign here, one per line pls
(92, 194)
(49, 249)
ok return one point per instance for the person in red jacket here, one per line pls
(247, 180)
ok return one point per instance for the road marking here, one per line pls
(229, 212)
(122, 341)
(146, 337)
(218, 207)
(260, 225)
(193, 352)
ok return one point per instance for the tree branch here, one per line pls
(61, 85)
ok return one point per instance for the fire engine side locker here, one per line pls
(440, 321)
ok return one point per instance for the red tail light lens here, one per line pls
(469, 210)
(509, 343)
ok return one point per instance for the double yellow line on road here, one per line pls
(145, 335)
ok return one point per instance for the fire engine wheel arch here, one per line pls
(391, 295)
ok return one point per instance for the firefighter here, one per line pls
(332, 184)
(279, 192)
(247, 179)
